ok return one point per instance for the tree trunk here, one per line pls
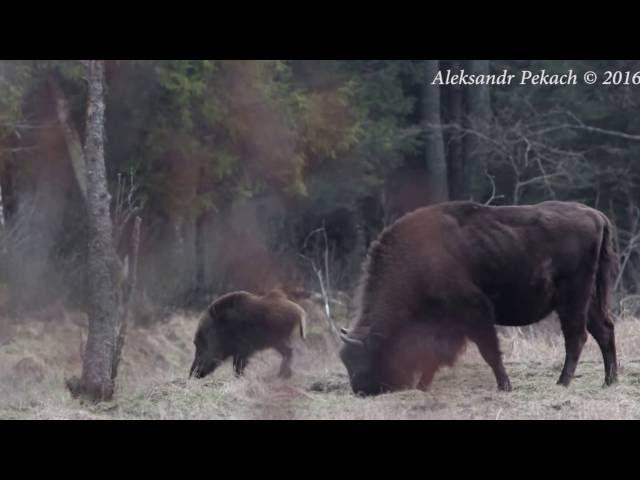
(200, 240)
(432, 126)
(97, 383)
(71, 136)
(200, 249)
(184, 177)
(7, 180)
(453, 138)
(477, 120)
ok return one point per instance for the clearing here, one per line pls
(36, 356)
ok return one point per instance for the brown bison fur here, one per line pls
(451, 272)
(239, 324)
(417, 353)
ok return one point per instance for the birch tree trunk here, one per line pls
(97, 383)
(436, 162)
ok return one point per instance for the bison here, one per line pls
(448, 273)
(240, 324)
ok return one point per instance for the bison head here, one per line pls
(358, 356)
(210, 345)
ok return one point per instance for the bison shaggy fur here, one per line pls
(449, 273)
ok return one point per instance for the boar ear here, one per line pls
(344, 331)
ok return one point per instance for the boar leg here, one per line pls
(239, 364)
(287, 354)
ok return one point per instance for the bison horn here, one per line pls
(349, 340)
(194, 369)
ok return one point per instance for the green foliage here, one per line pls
(183, 98)
(201, 134)
(299, 128)
(249, 127)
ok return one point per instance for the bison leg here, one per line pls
(239, 364)
(287, 354)
(482, 331)
(426, 378)
(574, 328)
(574, 304)
(486, 338)
(575, 336)
(601, 329)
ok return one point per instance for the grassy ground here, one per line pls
(36, 356)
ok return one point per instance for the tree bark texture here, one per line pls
(477, 120)
(97, 383)
(71, 136)
(453, 139)
(434, 145)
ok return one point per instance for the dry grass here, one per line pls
(35, 358)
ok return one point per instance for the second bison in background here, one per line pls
(239, 324)
(450, 272)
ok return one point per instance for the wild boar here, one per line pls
(240, 324)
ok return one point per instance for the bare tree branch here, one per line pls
(323, 278)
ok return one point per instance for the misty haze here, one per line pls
(304, 239)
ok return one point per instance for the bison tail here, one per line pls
(607, 269)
